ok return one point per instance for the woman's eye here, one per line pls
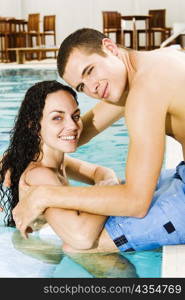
(81, 88)
(76, 118)
(57, 118)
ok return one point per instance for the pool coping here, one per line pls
(33, 64)
(173, 257)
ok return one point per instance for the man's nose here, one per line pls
(92, 85)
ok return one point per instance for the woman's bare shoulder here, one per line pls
(37, 174)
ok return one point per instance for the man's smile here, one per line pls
(105, 91)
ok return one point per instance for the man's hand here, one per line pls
(29, 208)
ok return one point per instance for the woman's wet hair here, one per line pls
(24, 145)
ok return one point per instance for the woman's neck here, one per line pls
(52, 158)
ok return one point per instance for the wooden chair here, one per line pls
(4, 38)
(112, 24)
(49, 29)
(12, 34)
(157, 24)
(33, 32)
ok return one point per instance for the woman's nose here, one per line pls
(71, 124)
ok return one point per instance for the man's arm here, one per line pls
(145, 117)
(101, 116)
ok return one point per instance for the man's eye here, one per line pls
(90, 70)
(76, 117)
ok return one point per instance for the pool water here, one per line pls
(19, 258)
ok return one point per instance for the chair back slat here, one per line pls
(158, 19)
(34, 22)
(111, 20)
(49, 23)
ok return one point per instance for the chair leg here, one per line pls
(153, 40)
(38, 43)
(162, 37)
(55, 54)
(29, 56)
(119, 37)
(138, 41)
(1, 49)
(43, 40)
(149, 40)
(6, 46)
(130, 39)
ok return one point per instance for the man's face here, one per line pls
(100, 77)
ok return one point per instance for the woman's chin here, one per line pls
(70, 149)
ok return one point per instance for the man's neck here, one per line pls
(128, 58)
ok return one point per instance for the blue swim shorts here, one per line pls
(164, 223)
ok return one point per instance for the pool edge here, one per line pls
(46, 63)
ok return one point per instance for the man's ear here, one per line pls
(110, 46)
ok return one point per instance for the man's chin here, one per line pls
(111, 101)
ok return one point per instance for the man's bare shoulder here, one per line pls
(164, 68)
(161, 60)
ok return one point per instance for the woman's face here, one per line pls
(61, 125)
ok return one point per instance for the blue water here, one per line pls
(109, 149)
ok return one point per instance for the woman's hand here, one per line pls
(109, 181)
(29, 208)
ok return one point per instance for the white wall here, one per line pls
(70, 14)
(74, 14)
(10, 8)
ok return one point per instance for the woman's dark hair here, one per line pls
(24, 145)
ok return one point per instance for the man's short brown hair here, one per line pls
(90, 40)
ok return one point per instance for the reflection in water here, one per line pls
(100, 265)
(38, 248)
(106, 265)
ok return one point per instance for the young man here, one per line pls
(148, 89)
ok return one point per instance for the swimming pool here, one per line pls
(41, 255)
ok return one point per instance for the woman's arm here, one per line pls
(89, 173)
(77, 229)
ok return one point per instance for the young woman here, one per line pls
(47, 127)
